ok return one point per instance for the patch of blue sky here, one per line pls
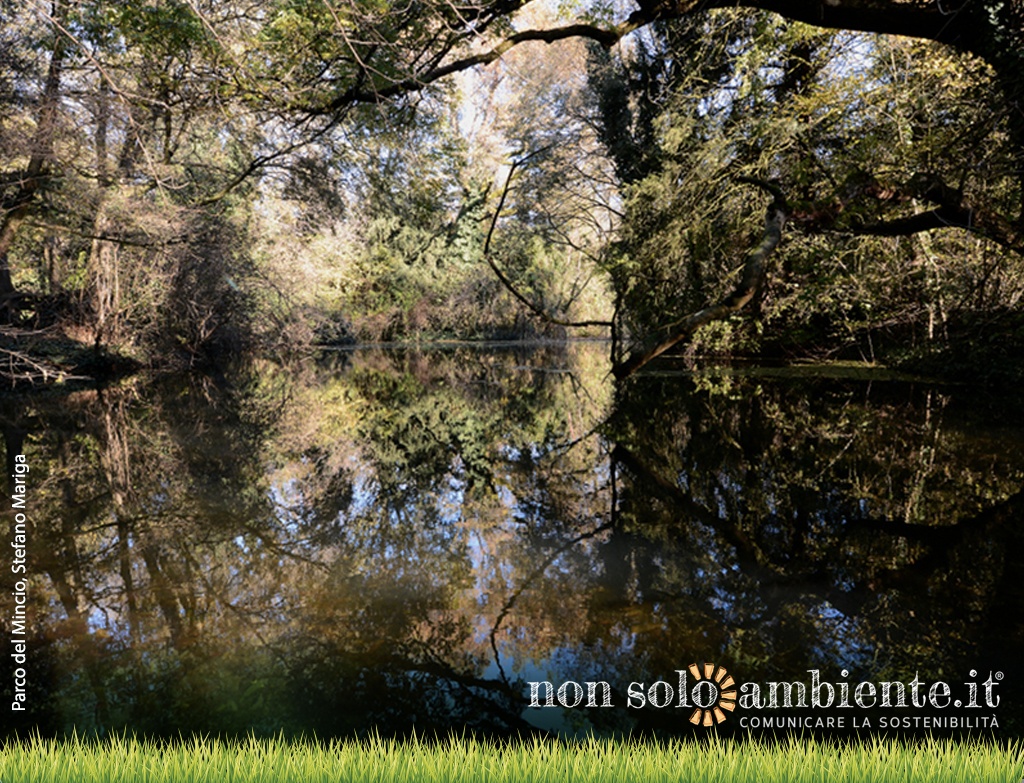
(841, 641)
(450, 501)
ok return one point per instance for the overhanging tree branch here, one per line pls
(966, 26)
(950, 211)
(976, 221)
(534, 308)
(606, 36)
(967, 29)
(751, 280)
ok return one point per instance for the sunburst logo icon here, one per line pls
(713, 694)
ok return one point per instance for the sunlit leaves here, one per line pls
(846, 123)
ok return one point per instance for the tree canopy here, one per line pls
(161, 158)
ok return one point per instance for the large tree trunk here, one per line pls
(8, 229)
(18, 207)
(988, 30)
(103, 260)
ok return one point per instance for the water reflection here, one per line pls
(400, 540)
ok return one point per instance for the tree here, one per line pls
(204, 101)
(856, 132)
(996, 34)
(22, 185)
(113, 143)
(381, 70)
(338, 57)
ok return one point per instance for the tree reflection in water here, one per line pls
(401, 540)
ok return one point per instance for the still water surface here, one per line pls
(405, 539)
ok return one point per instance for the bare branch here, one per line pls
(605, 36)
(750, 282)
(508, 284)
(18, 367)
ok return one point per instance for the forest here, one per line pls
(188, 182)
(303, 440)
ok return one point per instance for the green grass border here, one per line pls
(461, 760)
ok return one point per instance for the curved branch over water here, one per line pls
(751, 281)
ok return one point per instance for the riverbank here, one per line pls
(48, 357)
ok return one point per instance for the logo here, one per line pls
(713, 694)
(707, 693)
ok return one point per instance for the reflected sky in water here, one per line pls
(402, 540)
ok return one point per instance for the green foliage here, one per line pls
(274, 161)
(168, 29)
(846, 124)
(400, 218)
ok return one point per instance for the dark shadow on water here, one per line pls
(402, 540)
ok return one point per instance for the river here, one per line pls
(401, 540)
